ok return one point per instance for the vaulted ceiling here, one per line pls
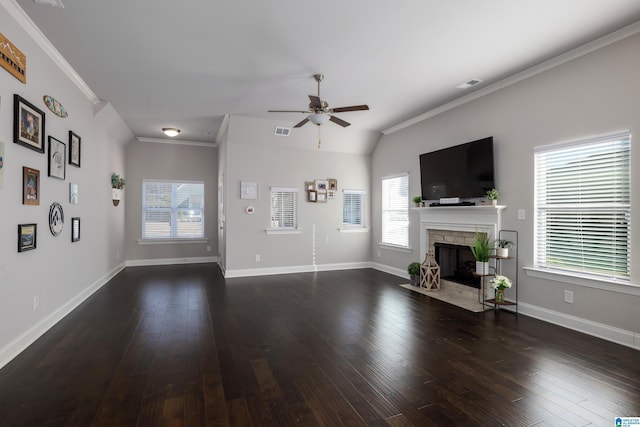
(188, 63)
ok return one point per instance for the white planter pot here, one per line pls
(502, 252)
(116, 195)
(482, 268)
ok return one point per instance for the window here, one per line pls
(284, 208)
(172, 210)
(395, 210)
(353, 208)
(583, 208)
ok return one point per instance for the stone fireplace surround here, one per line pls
(457, 225)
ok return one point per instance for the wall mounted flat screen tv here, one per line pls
(464, 171)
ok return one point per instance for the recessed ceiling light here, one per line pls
(171, 131)
(469, 83)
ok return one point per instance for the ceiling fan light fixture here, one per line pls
(171, 131)
(318, 119)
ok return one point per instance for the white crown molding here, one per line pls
(222, 129)
(177, 142)
(34, 32)
(585, 49)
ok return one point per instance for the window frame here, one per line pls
(295, 211)
(400, 207)
(173, 211)
(550, 212)
(362, 195)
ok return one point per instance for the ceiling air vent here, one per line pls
(469, 83)
(280, 131)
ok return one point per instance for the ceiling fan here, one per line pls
(319, 111)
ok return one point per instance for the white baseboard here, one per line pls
(310, 268)
(599, 330)
(171, 261)
(18, 345)
(391, 270)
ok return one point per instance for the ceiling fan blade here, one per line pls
(289, 111)
(338, 121)
(315, 101)
(351, 108)
(302, 123)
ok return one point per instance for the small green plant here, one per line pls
(502, 243)
(493, 194)
(417, 200)
(481, 247)
(117, 181)
(414, 269)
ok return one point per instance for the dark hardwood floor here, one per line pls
(181, 346)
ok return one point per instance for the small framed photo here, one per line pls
(312, 196)
(331, 194)
(74, 149)
(309, 186)
(333, 184)
(27, 236)
(57, 158)
(322, 197)
(73, 193)
(321, 185)
(28, 124)
(30, 186)
(75, 229)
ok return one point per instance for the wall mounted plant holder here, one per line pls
(117, 184)
(116, 195)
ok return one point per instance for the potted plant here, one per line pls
(117, 184)
(493, 195)
(417, 200)
(481, 250)
(502, 250)
(414, 273)
(500, 283)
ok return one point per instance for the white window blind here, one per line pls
(172, 210)
(353, 207)
(583, 207)
(395, 210)
(284, 208)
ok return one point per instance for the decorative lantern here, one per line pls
(430, 273)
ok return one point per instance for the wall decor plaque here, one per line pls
(56, 218)
(12, 59)
(55, 106)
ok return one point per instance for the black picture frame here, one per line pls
(57, 158)
(75, 229)
(27, 237)
(74, 149)
(28, 124)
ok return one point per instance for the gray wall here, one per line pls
(59, 273)
(253, 153)
(148, 160)
(591, 95)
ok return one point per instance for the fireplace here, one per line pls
(457, 264)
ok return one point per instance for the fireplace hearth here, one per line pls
(457, 264)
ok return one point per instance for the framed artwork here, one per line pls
(331, 194)
(312, 196)
(74, 149)
(56, 219)
(321, 185)
(333, 184)
(28, 124)
(322, 197)
(75, 229)
(309, 185)
(248, 190)
(73, 194)
(57, 155)
(27, 236)
(30, 186)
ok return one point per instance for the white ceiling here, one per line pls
(188, 63)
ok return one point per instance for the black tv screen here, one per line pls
(464, 171)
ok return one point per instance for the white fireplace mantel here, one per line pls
(459, 218)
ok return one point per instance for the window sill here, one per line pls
(353, 229)
(171, 241)
(405, 249)
(579, 280)
(274, 231)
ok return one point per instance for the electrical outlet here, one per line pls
(208, 248)
(36, 302)
(258, 258)
(568, 297)
(521, 214)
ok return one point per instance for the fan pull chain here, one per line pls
(319, 136)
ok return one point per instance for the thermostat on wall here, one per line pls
(249, 209)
